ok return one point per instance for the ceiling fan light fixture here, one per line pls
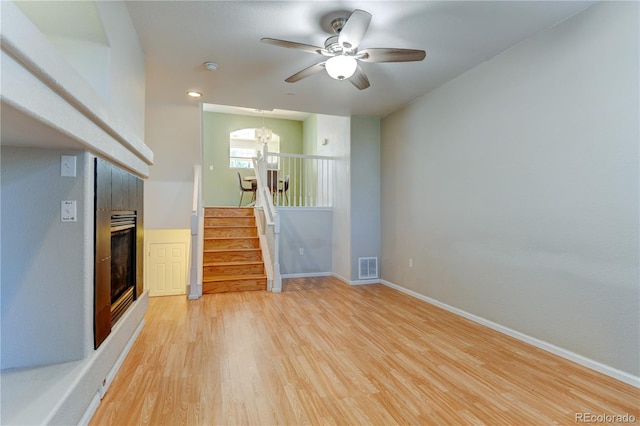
(344, 53)
(341, 67)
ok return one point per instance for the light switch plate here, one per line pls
(68, 165)
(68, 211)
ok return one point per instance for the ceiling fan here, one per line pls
(343, 54)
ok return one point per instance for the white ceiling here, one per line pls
(178, 36)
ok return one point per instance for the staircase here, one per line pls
(232, 258)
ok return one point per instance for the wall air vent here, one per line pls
(368, 268)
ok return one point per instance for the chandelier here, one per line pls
(263, 134)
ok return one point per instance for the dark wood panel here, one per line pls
(119, 189)
(140, 210)
(103, 284)
(132, 194)
(102, 326)
(139, 268)
(102, 185)
(103, 234)
(140, 237)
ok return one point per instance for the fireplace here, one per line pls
(119, 235)
(123, 262)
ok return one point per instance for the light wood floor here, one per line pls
(323, 352)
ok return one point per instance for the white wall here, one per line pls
(514, 188)
(46, 282)
(337, 132)
(365, 190)
(127, 76)
(173, 133)
(311, 231)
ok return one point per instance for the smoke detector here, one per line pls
(211, 66)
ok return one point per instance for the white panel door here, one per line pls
(167, 269)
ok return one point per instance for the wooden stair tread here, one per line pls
(234, 277)
(234, 263)
(227, 216)
(231, 238)
(229, 226)
(227, 212)
(235, 249)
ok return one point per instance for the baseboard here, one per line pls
(307, 275)
(541, 344)
(340, 277)
(95, 401)
(329, 274)
(91, 409)
(364, 282)
(194, 291)
(102, 390)
(125, 351)
(354, 282)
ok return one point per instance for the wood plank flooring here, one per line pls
(323, 352)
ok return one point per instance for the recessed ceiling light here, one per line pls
(194, 94)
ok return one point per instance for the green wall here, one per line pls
(310, 139)
(220, 183)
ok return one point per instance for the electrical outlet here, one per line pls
(301, 251)
(410, 263)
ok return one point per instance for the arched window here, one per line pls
(243, 146)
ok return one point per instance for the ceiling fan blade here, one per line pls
(306, 72)
(359, 79)
(354, 29)
(391, 55)
(293, 45)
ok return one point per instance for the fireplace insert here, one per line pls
(123, 262)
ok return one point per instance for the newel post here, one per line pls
(263, 162)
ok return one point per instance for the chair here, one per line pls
(272, 181)
(244, 189)
(284, 189)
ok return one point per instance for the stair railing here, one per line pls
(304, 180)
(268, 224)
